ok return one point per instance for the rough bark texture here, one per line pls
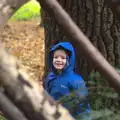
(81, 42)
(97, 22)
(7, 106)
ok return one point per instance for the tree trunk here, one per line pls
(97, 21)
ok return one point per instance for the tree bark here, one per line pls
(42, 16)
(81, 42)
(7, 106)
(98, 23)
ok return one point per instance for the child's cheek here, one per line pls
(54, 61)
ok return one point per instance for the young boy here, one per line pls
(62, 80)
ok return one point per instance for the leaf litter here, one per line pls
(25, 40)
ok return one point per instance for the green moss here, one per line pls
(28, 11)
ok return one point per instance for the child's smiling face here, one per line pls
(59, 59)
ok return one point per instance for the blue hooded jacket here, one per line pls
(68, 81)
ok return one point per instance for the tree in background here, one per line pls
(98, 23)
(101, 26)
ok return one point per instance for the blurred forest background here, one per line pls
(24, 38)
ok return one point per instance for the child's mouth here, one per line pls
(58, 64)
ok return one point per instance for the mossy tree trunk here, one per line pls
(97, 21)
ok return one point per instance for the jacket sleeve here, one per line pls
(45, 84)
(47, 80)
(80, 92)
(77, 85)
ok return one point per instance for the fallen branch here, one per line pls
(81, 42)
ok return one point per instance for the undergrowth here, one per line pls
(104, 100)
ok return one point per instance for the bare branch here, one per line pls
(9, 109)
(7, 8)
(81, 42)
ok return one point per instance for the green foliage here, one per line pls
(72, 103)
(2, 118)
(28, 11)
(104, 100)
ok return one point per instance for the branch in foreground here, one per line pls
(35, 104)
(81, 42)
(7, 8)
(9, 109)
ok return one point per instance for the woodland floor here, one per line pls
(25, 40)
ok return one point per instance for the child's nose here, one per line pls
(59, 59)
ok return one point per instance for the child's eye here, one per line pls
(55, 57)
(63, 57)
